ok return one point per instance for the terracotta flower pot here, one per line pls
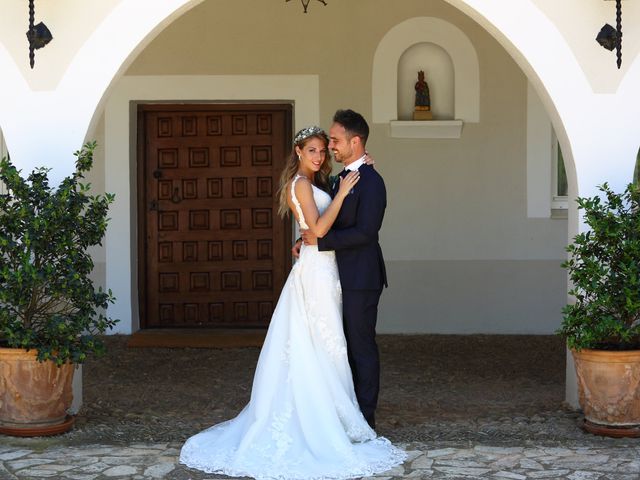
(609, 390)
(34, 396)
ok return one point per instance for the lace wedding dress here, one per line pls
(303, 420)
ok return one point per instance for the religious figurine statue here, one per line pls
(422, 110)
(422, 92)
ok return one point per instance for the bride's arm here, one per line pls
(320, 224)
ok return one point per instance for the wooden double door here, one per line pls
(213, 251)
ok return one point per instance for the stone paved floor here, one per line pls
(464, 407)
(158, 460)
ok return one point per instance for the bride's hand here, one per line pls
(368, 159)
(347, 183)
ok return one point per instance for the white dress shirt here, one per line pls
(356, 165)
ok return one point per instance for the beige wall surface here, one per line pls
(453, 204)
(71, 22)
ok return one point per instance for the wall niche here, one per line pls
(438, 68)
(450, 63)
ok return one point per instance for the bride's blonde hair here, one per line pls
(321, 177)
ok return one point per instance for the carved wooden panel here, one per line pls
(166, 314)
(264, 186)
(240, 249)
(168, 158)
(261, 217)
(198, 157)
(214, 125)
(240, 312)
(230, 157)
(265, 249)
(239, 124)
(168, 220)
(215, 252)
(239, 187)
(165, 127)
(165, 188)
(199, 282)
(199, 219)
(189, 126)
(216, 312)
(169, 282)
(263, 124)
(165, 252)
(261, 155)
(189, 251)
(231, 280)
(265, 310)
(230, 219)
(262, 280)
(191, 313)
(214, 188)
(190, 188)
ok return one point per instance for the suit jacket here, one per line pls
(354, 235)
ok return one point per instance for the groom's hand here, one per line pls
(308, 238)
(295, 250)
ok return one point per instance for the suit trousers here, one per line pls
(360, 313)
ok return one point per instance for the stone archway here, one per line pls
(77, 99)
(531, 38)
(521, 27)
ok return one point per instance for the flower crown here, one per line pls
(306, 133)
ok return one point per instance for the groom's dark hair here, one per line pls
(353, 123)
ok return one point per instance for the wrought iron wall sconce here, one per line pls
(610, 37)
(305, 3)
(38, 35)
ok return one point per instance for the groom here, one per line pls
(354, 237)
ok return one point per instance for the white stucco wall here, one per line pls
(461, 220)
(551, 45)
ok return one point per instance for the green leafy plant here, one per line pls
(604, 267)
(47, 299)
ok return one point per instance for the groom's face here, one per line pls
(340, 143)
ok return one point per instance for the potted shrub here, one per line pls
(602, 327)
(50, 312)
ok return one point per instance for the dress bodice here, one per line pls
(321, 198)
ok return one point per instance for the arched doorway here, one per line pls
(215, 77)
(122, 37)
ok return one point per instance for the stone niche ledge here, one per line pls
(426, 128)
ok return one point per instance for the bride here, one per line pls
(303, 419)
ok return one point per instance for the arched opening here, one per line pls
(461, 223)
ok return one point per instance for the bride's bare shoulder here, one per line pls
(301, 189)
(302, 185)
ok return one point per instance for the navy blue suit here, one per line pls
(354, 237)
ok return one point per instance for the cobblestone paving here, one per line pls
(152, 461)
(464, 407)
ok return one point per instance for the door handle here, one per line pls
(175, 198)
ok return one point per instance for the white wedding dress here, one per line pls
(303, 419)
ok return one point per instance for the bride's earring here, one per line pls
(299, 158)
